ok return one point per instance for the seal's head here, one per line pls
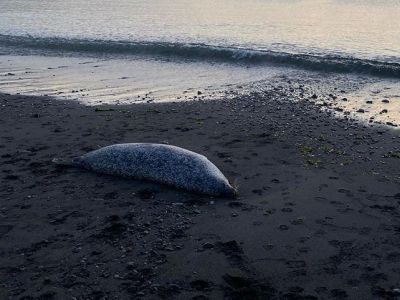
(229, 191)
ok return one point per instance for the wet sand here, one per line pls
(317, 215)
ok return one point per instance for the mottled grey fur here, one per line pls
(166, 164)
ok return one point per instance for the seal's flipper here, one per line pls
(74, 162)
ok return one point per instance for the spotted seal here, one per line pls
(160, 163)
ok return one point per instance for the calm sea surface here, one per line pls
(358, 28)
(120, 50)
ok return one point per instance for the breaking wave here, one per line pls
(327, 63)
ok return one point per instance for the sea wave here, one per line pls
(317, 62)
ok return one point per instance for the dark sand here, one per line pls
(317, 216)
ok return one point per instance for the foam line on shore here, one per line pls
(204, 52)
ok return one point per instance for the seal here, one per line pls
(166, 164)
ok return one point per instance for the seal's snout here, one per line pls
(229, 191)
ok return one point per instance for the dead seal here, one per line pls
(160, 163)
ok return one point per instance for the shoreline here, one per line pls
(316, 214)
(95, 82)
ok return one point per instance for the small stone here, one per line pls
(146, 194)
(286, 209)
(130, 264)
(298, 221)
(208, 246)
(283, 227)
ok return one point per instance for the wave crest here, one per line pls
(327, 63)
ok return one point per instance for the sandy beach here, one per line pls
(316, 217)
(297, 103)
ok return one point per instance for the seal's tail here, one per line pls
(74, 162)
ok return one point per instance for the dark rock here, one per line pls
(284, 227)
(241, 288)
(200, 284)
(200, 297)
(4, 229)
(208, 246)
(11, 177)
(229, 247)
(146, 194)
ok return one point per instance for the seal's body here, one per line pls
(166, 164)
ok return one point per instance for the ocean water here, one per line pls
(129, 50)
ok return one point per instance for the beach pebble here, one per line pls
(200, 284)
(283, 227)
(208, 246)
